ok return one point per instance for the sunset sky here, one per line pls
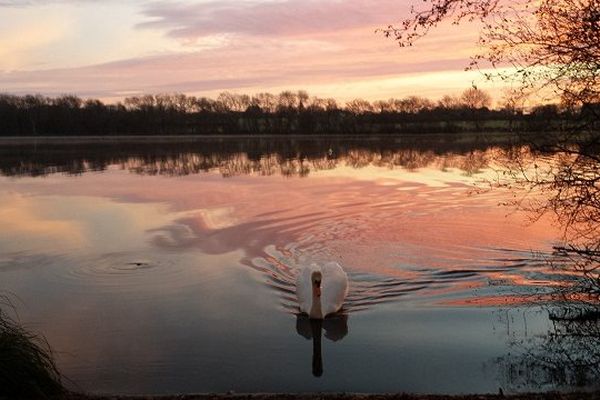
(112, 49)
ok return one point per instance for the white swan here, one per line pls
(321, 290)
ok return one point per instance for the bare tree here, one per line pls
(449, 102)
(413, 104)
(302, 97)
(204, 104)
(552, 50)
(383, 105)
(552, 45)
(68, 101)
(234, 102)
(288, 101)
(331, 104)
(267, 102)
(359, 106)
(476, 99)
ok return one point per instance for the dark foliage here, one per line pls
(553, 47)
(27, 369)
(286, 113)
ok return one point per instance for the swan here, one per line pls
(321, 290)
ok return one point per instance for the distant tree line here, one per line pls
(265, 113)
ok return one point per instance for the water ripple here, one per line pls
(514, 271)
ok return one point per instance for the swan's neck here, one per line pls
(316, 311)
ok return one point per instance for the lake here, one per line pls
(160, 266)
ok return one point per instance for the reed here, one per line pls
(27, 368)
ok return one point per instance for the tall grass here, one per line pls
(27, 368)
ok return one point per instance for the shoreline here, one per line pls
(183, 138)
(340, 396)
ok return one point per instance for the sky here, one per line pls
(111, 49)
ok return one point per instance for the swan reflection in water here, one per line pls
(335, 326)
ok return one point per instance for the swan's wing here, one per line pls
(335, 287)
(304, 289)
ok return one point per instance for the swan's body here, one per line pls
(321, 290)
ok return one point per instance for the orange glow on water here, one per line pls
(422, 226)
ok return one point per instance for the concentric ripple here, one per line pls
(518, 275)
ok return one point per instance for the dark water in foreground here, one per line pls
(169, 267)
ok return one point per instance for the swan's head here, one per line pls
(316, 282)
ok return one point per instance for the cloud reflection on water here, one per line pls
(219, 236)
(391, 210)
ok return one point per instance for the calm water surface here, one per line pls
(169, 267)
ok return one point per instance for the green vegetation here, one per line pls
(27, 369)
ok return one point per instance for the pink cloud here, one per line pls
(271, 18)
(234, 67)
(269, 46)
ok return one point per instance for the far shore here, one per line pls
(159, 138)
(344, 396)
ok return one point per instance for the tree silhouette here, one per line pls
(566, 356)
(359, 106)
(290, 112)
(474, 98)
(553, 47)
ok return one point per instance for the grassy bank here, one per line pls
(27, 369)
